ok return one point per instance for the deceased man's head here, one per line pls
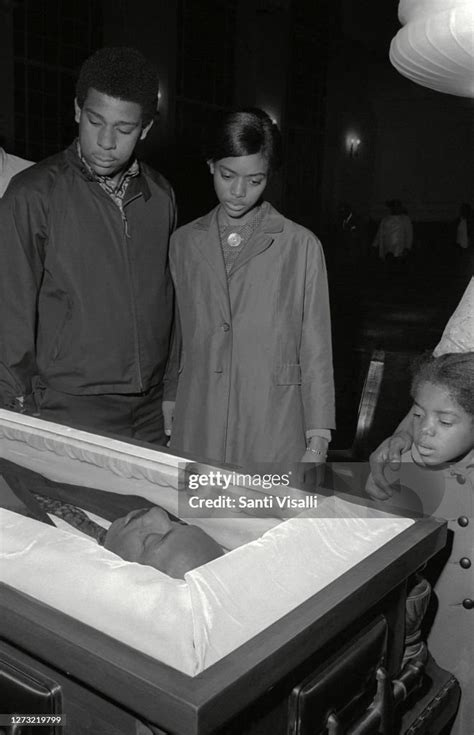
(149, 536)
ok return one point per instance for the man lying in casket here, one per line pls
(142, 532)
(149, 536)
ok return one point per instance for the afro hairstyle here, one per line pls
(453, 371)
(123, 73)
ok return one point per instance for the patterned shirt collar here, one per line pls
(243, 233)
(245, 230)
(115, 191)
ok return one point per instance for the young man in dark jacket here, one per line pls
(85, 293)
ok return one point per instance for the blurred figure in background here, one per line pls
(395, 234)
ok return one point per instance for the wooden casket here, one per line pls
(55, 663)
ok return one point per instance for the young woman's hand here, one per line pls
(387, 456)
(310, 470)
(316, 451)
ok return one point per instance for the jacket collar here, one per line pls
(208, 242)
(272, 222)
(137, 184)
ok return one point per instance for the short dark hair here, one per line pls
(123, 73)
(453, 371)
(243, 133)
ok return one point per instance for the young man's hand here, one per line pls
(167, 408)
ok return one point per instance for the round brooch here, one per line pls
(234, 240)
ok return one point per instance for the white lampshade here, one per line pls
(435, 48)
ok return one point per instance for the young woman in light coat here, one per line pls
(251, 370)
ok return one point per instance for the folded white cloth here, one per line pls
(135, 604)
(458, 335)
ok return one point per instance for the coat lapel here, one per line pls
(208, 243)
(273, 223)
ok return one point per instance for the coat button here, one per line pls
(463, 521)
(468, 604)
(465, 562)
(225, 327)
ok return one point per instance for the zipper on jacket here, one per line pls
(125, 224)
(124, 216)
(132, 295)
(126, 238)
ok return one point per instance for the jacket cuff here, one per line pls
(323, 433)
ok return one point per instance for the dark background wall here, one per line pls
(320, 68)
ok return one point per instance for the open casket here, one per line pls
(111, 645)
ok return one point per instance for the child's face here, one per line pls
(239, 182)
(443, 430)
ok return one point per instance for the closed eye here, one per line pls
(135, 514)
(155, 539)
